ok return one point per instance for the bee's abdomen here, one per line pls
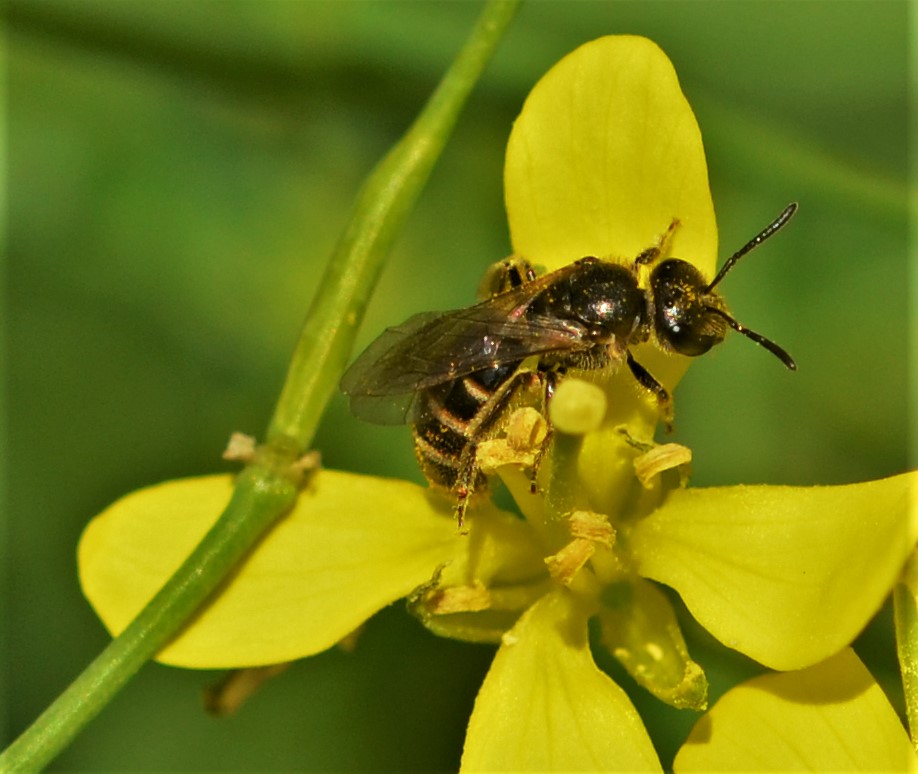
(448, 425)
(439, 452)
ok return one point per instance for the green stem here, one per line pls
(261, 495)
(905, 600)
(381, 207)
(267, 489)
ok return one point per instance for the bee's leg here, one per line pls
(648, 382)
(466, 477)
(549, 381)
(537, 460)
(660, 248)
(505, 275)
(478, 429)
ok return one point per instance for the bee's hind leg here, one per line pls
(467, 481)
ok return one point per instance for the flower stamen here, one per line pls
(587, 529)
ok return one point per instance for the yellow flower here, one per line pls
(604, 156)
(829, 717)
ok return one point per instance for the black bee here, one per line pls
(451, 375)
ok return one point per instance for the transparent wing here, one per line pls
(386, 409)
(432, 348)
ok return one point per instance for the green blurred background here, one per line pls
(178, 172)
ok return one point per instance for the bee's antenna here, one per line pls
(769, 231)
(758, 338)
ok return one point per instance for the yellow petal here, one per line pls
(545, 706)
(786, 575)
(605, 153)
(829, 717)
(352, 545)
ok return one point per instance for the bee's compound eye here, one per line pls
(682, 309)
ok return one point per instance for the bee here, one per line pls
(453, 375)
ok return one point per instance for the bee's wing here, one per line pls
(433, 348)
(372, 397)
(385, 409)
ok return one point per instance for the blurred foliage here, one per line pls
(177, 173)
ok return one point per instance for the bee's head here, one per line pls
(689, 317)
(686, 317)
